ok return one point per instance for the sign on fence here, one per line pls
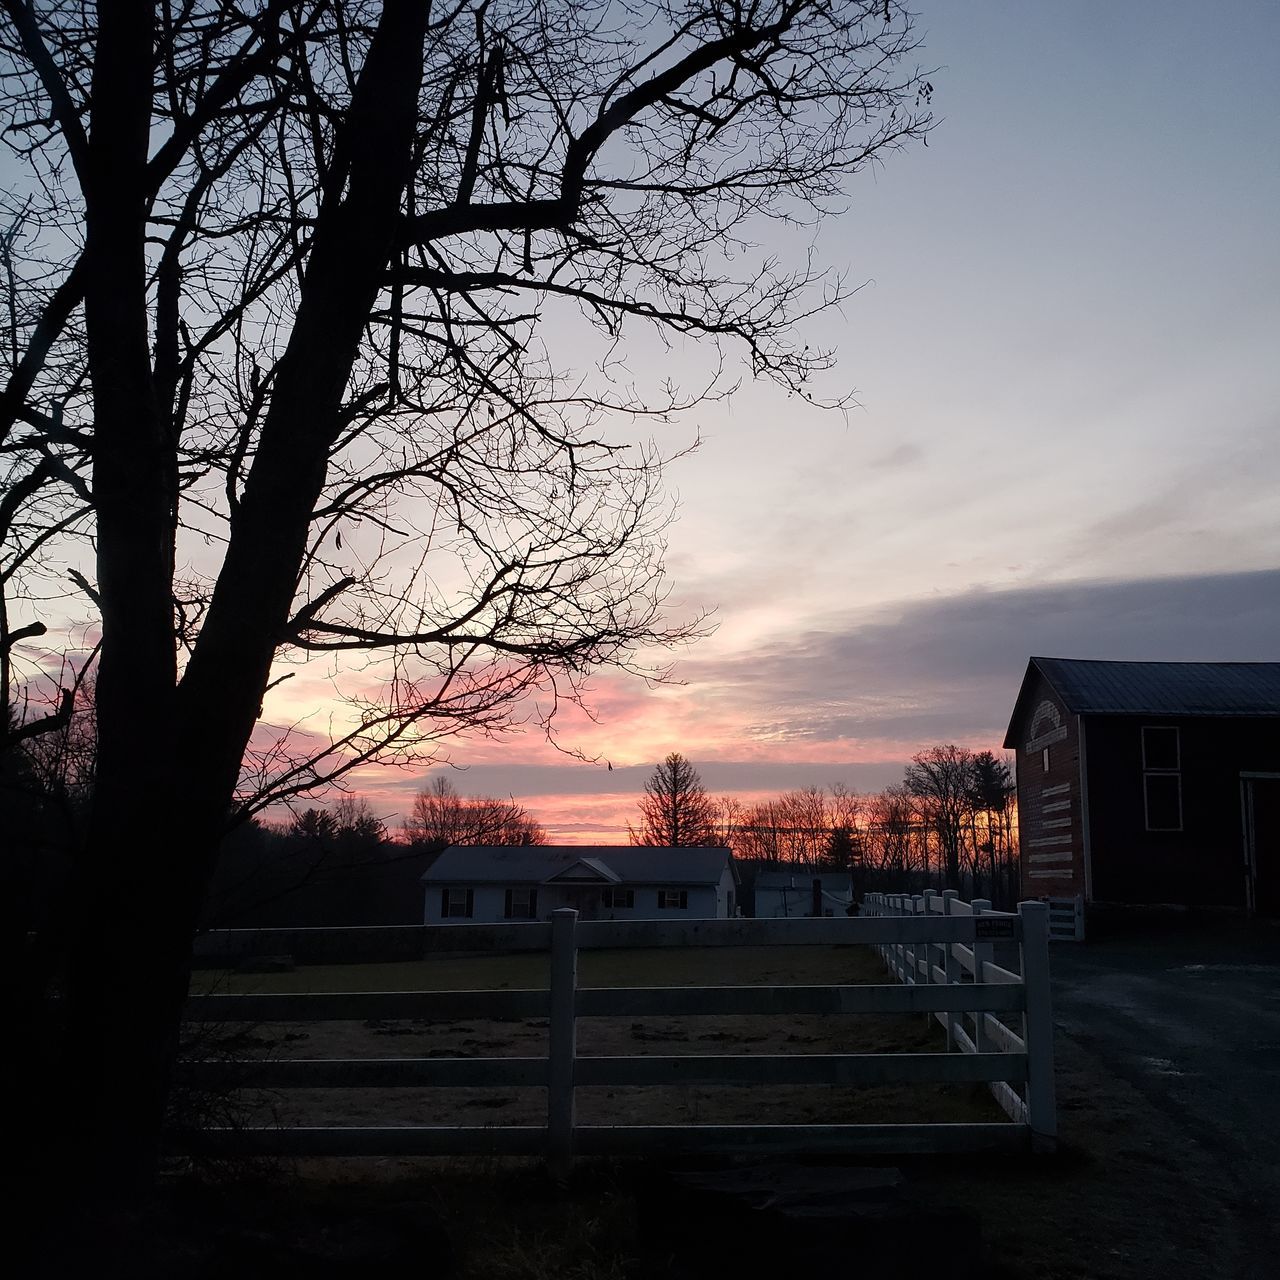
(993, 928)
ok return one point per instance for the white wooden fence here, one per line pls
(1002, 1060)
(1030, 1099)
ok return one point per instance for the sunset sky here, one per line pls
(1065, 356)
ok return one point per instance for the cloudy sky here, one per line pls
(1065, 358)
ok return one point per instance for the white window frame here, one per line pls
(681, 900)
(458, 904)
(1149, 773)
(618, 899)
(516, 910)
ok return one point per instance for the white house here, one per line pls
(484, 884)
(788, 894)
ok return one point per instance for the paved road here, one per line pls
(1189, 1014)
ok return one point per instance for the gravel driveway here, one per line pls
(1188, 1014)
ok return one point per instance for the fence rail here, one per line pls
(980, 1032)
(1002, 1062)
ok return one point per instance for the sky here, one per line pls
(1065, 364)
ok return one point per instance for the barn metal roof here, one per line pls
(537, 864)
(1091, 687)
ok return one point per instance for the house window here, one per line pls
(1161, 778)
(673, 899)
(521, 904)
(618, 899)
(457, 904)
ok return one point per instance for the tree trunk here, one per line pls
(123, 981)
(169, 755)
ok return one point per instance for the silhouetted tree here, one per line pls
(359, 833)
(314, 826)
(675, 808)
(843, 849)
(991, 791)
(441, 817)
(940, 778)
(279, 273)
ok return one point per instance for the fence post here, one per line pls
(1037, 1026)
(917, 906)
(563, 1041)
(952, 967)
(983, 953)
(926, 905)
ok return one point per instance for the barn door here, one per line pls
(1262, 842)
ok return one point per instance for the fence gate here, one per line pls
(1066, 919)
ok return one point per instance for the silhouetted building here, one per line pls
(1150, 782)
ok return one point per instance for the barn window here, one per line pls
(521, 904)
(1161, 779)
(1164, 801)
(618, 899)
(673, 899)
(1160, 747)
(457, 904)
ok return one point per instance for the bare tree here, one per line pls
(441, 817)
(940, 778)
(730, 816)
(675, 809)
(892, 829)
(799, 827)
(277, 387)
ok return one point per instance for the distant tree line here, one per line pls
(341, 866)
(950, 823)
(331, 866)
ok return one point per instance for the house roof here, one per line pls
(577, 864)
(835, 881)
(1089, 687)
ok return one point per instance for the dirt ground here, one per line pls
(1134, 1191)
(479, 1038)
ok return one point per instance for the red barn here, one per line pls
(1150, 782)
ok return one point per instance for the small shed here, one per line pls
(474, 884)
(1150, 782)
(782, 895)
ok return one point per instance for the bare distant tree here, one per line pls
(441, 817)
(675, 808)
(941, 780)
(892, 826)
(797, 827)
(730, 816)
(807, 821)
(275, 384)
